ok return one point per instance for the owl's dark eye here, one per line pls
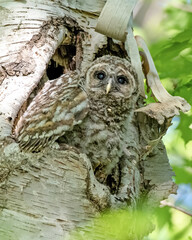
(122, 80)
(100, 75)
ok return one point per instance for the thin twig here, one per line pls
(164, 204)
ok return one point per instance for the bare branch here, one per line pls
(169, 204)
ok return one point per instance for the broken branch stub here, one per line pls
(168, 105)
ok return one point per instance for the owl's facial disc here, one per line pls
(96, 77)
(101, 76)
(110, 79)
(118, 80)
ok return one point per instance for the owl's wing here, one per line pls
(59, 106)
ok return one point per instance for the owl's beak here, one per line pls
(108, 88)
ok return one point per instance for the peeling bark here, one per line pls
(47, 194)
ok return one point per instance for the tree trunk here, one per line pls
(46, 195)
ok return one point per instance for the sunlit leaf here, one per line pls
(163, 216)
(183, 175)
(118, 224)
(184, 127)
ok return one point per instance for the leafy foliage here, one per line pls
(118, 224)
(173, 59)
(171, 225)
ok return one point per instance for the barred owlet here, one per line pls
(89, 110)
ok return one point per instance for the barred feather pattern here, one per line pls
(103, 135)
(60, 105)
(89, 111)
(77, 107)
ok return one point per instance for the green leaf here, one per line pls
(184, 127)
(181, 233)
(163, 216)
(121, 224)
(185, 92)
(183, 36)
(183, 175)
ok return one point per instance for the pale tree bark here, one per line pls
(45, 195)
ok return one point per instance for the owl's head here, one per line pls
(112, 76)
